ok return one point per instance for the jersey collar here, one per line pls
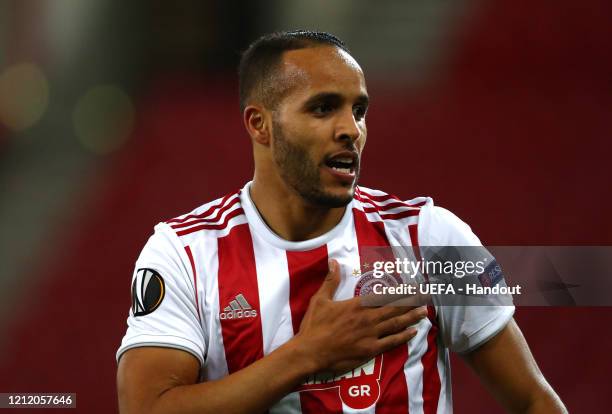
(260, 227)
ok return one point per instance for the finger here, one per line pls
(390, 342)
(412, 300)
(397, 299)
(347, 365)
(399, 323)
(332, 280)
(388, 312)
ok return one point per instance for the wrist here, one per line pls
(301, 356)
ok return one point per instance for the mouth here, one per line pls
(343, 165)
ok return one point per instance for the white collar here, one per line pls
(261, 228)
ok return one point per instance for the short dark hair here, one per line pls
(260, 61)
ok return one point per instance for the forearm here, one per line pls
(507, 368)
(251, 390)
(546, 402)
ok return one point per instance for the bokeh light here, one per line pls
(24, 96)
(103, 119)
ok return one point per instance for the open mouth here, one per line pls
(343, 163)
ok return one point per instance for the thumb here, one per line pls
(332, 280)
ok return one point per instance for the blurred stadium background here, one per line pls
(116, 115)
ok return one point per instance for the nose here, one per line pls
(347, 127)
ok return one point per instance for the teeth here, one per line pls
(342, 170)
(348, 160)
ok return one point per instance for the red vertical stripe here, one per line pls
(431, 376)
(242, 337)
(394, 390)
(307, 270)
(321, 401)
(195, 280)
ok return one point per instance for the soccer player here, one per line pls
(250, 303)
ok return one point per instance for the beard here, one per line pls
(302, 173)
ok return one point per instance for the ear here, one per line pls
(256, 121)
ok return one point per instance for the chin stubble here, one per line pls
(300, 172)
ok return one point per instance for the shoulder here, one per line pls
(217, 215)
(441, 227)
(385, 206)
(437, 226)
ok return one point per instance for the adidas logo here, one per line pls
(239, 308)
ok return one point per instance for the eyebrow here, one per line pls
(333, 96)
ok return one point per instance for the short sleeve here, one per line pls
(163, 311)
(463, 327)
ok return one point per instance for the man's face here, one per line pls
(319, 128)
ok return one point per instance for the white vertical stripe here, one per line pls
(445, 402)
(275, 311)
(399, 238)
(208, 272)
(345, 250)
(273, 283)
(413, 368)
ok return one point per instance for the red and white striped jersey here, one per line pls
(220, 284)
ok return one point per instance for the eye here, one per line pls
(322, 109)
(359, 112)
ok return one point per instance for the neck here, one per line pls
(289, 215)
